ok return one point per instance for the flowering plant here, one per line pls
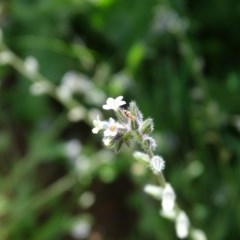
(131, 127)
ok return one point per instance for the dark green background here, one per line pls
(181, 64)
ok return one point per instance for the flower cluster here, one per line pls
(129, 126)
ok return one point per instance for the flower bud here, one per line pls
(31, 65)
(146, 127)
(154, 191)
(142, 157)
(122, 118)
(133, 109)
(168, 198)
(148, 143)
(157, 164)
(182, 225)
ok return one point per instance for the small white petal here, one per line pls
(111, 121)
(99, 125)
(107, 141)
(110, 133)
(119, 101)
(110, 101)
(119, 98)
(113, 104)
(112, 128)
(109, 104)
(95, 130)
(106, 107)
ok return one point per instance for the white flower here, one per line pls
(98, 125)
(114, 104)
(157, 164)
(168, 199)
(112, 128)
(182, 225)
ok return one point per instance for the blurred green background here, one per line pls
(178, 60)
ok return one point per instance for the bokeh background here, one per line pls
(178, 59)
